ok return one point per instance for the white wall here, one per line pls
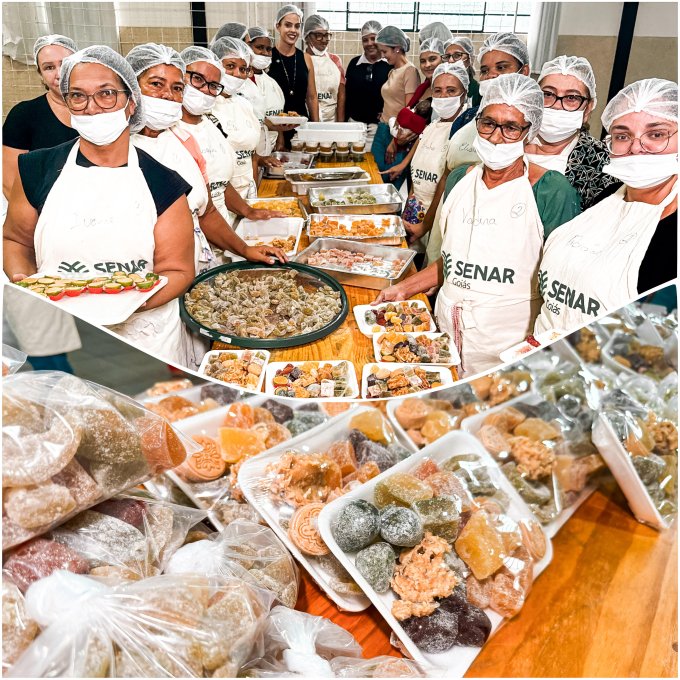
(591, 18)
(657, 20)
(150, 14)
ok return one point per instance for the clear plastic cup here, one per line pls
(359, 147)
(297, 145)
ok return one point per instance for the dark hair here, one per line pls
(424, 109)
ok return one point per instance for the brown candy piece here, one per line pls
(82, 487)
(533, 538)
(205, 465)
(129, 510)
(160, 444)
(32, 507)
(367, 471)
(411, 413)
(304, 531)
(493, 440)
(425, 468)
(342, 453)
(18, 631)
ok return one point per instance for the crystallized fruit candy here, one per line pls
(376, 564)
(356, 526)
(372, 423)
(411, 412)
(18, 630)
(440, 516)
(239, 415)
(401, 526)
(401, 489)
(237, 443)
(435, 633)
(474, 626)
(305, 478)
(480, 545)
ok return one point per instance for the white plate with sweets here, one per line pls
(408, 316)
(284, 375)
(104, 300)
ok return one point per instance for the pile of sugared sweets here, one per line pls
(500, 386)
(312, 379)
(439, 538)
(652, 443)
(588, 344)
(546, 468)
(387, 382)
(398, 316)
(244, 370)
(176, 407)
(644, 359)
(68, 444)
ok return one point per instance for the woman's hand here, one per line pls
(391, 152)
(19, 277)
(269, 162)
(267, 254)
(394, 172)
(261, 214)
(392, 294)
(405, 137)
(415, 231)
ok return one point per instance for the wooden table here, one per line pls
(347, 342)
(605, 606)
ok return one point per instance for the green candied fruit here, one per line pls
(534, 493)
(477, 479)
(649, 468)
(356, 526)
(439, 516)
(376, 565)
(400, 489)
(670, 475)
(454, 463)
(400, 526)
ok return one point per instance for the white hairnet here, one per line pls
(508, 43)
(434, 30)
(455, 69)
(232, 29)
(371, 27)
(393, 37)
(579, 67)
(432, 45)
(232, 47)
(104, 55)
(654, 96)
(194, 53)
(53, 39)
(463, 42)
(519, 91)
(315, 22)
(255, 32)
(288, 9)
(143, 57)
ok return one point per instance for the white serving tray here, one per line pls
(367, 329)
(352, 382)
(522, 349)
(456, 661)
(239, 353)
(608, 356)
(455, 357)
(474, 423)
(254, 469)
(444, 374)
(287, 120)
(331, 132)
(252, 231)
(103, 309)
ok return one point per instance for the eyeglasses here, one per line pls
(321, 36)
(510, 131)
(453, 56)
(104, 99)
(570, 102)
(654, 141)
(199, 82)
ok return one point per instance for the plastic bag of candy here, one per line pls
(166, 626)
(18, 630)
(69, 444)
(12, 359)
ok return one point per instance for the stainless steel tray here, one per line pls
(388, 200)
(362, 280)
(303, 180)
(306, 159)
(395, 228)
(279, 199)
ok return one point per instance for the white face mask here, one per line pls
(558, 125)
(101, 128)
(260, 62)
(445, 107)
(318, 53)
(160, 114)
(196, 102)
(498, 156)
(231, 84)
(643, 170)
(484, 86)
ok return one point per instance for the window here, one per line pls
(463, 17)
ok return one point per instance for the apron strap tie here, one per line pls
(457, 325)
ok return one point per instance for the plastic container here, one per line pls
(444, 373)
(335, 132)
(352, 383)
(297, 144)
(453, 350)
(239, 354)
(265, 231)
(367, 329)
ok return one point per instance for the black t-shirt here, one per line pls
(292, 75)
(362, 85)
(660, 263)
(39, 170)
(32, 125)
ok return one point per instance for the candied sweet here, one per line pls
(505, 596)
(130, 510)
(160, 445)
(447, 483)
(222, 394)
(480, 545)
(32, 507)
(356, 526)
(81, 486)
(262, 415)
(376, 564)
(435, 633)
(367, 471)
(237, 443)
(372, 423)
(411, 412)
(440, 516)
(303, 421)
(474, 626)
(18, 630)
(240, 415)
(493, 440)
(436, 425)
(272, 433)
(649, 468)
(342, 452)
(204, 465)
(305, 478)
(303, 530)
(425, 468)
(280, 411)
(401, 526)
(401, 489)
(534, 493)
(478, 592)
(534, 459)
(506, 420)
(533, 538)
(537, 429)
(370, 451)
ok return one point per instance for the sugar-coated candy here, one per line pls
(400, 526)
(18, 630)
(81, 486)
(304, 421)
(372, 423)
(440, 516)
(401, 489)
(411, 412)
(239, 415)
(532, 492)
(262, 415)
(356, 526)
(401, 452)
(130, 510)
(493, 440)
(376, 564)
(308, 406)
(480, 545)
(280, 411)
(447, 483)
(222, 394)
(161, 446)
(367, 471)
(478, 592)
(649, 468)
(537, 429)
(118, 477)
(505, 420)
(459, 460)
(477, 479)
(435, 633)
(32, 507)
(237, 443)
(436, 425)
(342, 452)
(425, 468)
(474, 626)
(505, 596)
(533, 538)
(368, 450)
(272, 433)
(356, 437)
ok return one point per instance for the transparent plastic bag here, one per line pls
(639, 356)
(588, 343)
(69, 444)
(18, 630)
(131, 536)
(376, 667)
(165, 626)
(244, 550)
(12, 359)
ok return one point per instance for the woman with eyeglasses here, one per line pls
(96, 205)
(460, 50)
(366, 74)
(627, 243)
(564, 143)
(494, 220)
(329, 74)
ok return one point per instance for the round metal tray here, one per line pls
(267, 343)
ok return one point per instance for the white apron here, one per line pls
(557, 162)
(252, 93)
(429, 161)
(491, 246)
(591, 264)
(100, 220)
(327, 79)
(460, 150)
(220, 159)
(242, 128)
(169, 150)
(275, 102)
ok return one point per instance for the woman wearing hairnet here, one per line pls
(366, 74)
(493, 223)
(98, 205)
(460, 49)
(564, 143)
(232, 29)
(402, 82)
(291, 68)
(627, 243)
(329, 74)
(41, 122)
(160, 73)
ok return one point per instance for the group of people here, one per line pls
(527, 222)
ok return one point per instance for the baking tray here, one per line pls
(301, 181)
(388, 199)
(331, 132)
(254, 231)
(394, 228)
(279, 199)
(306, 159)
(360, 280)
